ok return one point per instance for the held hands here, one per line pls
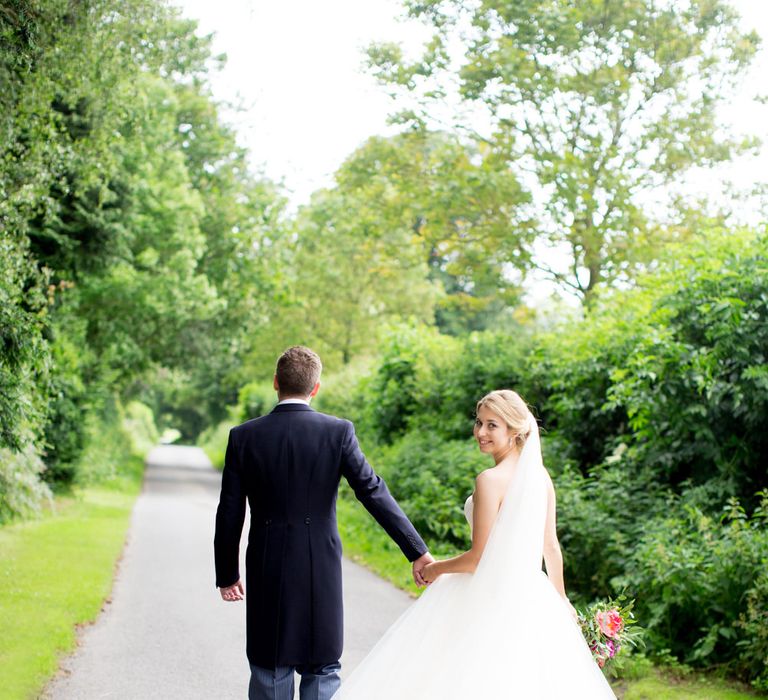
(430, 574)
(234, 592)
(418, 568)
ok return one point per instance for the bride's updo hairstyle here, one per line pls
(510, 407)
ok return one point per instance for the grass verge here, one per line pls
(55, 573)
(367, 544)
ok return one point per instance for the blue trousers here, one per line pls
(317, 682)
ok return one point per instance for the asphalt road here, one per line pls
(165, 632)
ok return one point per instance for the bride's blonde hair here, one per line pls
(511, 408)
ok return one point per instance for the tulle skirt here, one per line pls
(459, 642)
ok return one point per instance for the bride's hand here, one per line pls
(429, 572)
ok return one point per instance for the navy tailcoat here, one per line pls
(288, 465)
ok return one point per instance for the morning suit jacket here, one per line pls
(288, 464)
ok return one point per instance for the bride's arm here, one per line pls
(553, 556)
(486, 508)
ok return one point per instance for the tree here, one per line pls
(244, 223)
(600, 103)
(352, 275)
(457, 205)
(134, 236)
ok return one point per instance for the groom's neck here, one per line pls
(281, 397)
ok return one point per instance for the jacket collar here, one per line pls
(286, 407)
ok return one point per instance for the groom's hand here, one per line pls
(418, 567)
(234, 592)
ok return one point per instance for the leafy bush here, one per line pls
(570, 371)
(65, 432)
(254, 400)
(698, 579)
(752, 661)
(402, 378)
(431, 478)
(599, 518)
(114, 434)
(695, 386)
(345, 393)
(484, 361)
(139, 423)
(21, 490)
(213, 441)
(24, 352)
(424, 381)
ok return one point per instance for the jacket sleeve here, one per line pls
(229, 519)
(371, 490)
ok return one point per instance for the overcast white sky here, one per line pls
(296, 67)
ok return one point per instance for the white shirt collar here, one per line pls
(304, 401)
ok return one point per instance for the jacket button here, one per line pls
(267, 522)
(306, 521)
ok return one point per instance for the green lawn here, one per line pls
(660, 685)
(55, 573)
(366, 543)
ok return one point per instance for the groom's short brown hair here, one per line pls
(298, 370)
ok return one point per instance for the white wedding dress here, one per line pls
(500, 633)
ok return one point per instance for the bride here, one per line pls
(491, 624)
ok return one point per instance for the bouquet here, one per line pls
(607, 626)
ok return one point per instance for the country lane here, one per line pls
(165, 632)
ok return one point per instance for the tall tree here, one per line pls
(455, 203)
(133, 233)
(600, 103)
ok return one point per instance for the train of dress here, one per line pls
(521, 643)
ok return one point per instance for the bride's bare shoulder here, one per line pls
(487, 475)
(490, 480)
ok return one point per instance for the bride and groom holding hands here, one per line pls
(490, 624)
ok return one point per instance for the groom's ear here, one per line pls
(275, 384)
(315, 390)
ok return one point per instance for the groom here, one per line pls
(288, 464)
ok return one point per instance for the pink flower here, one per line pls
(612, 648)
(609, 622)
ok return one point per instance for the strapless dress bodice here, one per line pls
(469, 509)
